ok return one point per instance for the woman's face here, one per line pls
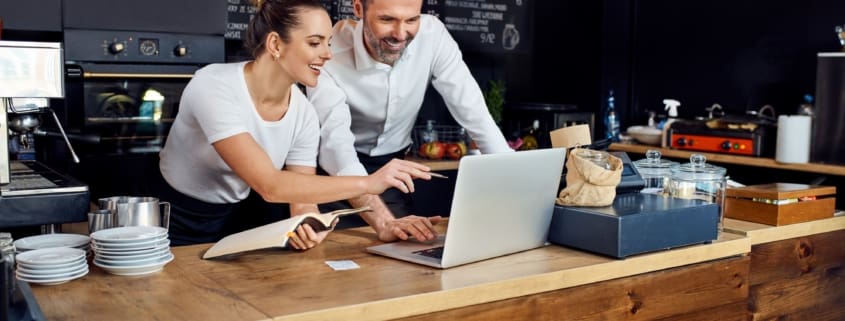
(303, 57)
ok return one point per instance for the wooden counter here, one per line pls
(285, 285)
(797, 271)
(733, 159)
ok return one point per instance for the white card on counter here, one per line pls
(342, 265)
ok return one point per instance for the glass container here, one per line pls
(654, 171)
(597, 157)
(699, 180)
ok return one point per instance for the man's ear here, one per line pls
(358, 9)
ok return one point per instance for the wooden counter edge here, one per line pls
(762, 233)
(729, 245)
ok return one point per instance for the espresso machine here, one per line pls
(31, 194)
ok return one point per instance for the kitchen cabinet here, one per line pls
(31, 15)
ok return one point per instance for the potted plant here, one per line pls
(494, 96)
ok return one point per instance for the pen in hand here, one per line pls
(438, 175)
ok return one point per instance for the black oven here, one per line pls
(126, 65)
(123, 87)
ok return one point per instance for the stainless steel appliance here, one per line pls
(31, 193)
(829, 111)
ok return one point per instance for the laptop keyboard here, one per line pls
(435, 252)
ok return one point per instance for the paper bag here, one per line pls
(588, 184)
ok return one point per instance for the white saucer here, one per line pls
(35, 270)
(131, 257)
(51, 240)
(37, 276)
(128, 234)
(156, 243)
(50, 256)
(54, 281)
(133, 262)
(135, 270)
(123, 252)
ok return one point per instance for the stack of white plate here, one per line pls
(131, 250)
(50, 266)
(45, 241)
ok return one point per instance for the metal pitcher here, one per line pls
(138, 211)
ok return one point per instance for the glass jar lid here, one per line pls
(652, 160)
(653, 165)
(697, 170)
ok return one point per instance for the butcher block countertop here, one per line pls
(286, 285)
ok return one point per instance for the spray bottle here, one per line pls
(672, 113)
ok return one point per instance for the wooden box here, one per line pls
(780, 203)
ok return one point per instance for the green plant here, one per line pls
(494, 96)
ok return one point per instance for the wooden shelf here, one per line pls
(733, 159)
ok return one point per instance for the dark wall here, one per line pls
(562, 67)
(740, 54)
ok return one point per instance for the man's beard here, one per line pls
(385, 55)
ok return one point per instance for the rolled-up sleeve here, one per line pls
(337, 154)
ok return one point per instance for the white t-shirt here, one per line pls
(216, 105)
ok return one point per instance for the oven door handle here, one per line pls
(92, 75)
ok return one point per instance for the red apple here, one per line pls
(454, 151)
(433, 150)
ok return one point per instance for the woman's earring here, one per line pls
(276, 57)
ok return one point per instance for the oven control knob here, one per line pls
(180, 51)
(681, 141)
(726, 145)
(116, 47)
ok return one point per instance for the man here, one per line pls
(369, 95)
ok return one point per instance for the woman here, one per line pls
(247, 126)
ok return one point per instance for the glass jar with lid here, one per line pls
(699, 180)
(655, 171)
(596, 157)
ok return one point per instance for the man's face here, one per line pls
(389, 27)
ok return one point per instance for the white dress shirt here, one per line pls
(370, 107)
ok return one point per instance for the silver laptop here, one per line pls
(503, 204)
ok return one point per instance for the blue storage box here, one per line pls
(635, 223)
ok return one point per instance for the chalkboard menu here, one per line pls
(492, 26)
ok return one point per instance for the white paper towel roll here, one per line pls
(793, 143)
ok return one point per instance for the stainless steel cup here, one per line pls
(138, 211)
(99, 220)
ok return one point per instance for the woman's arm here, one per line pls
(249, 161)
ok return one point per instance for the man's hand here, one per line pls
(421, 228)
(397, 173)
(305, 237)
